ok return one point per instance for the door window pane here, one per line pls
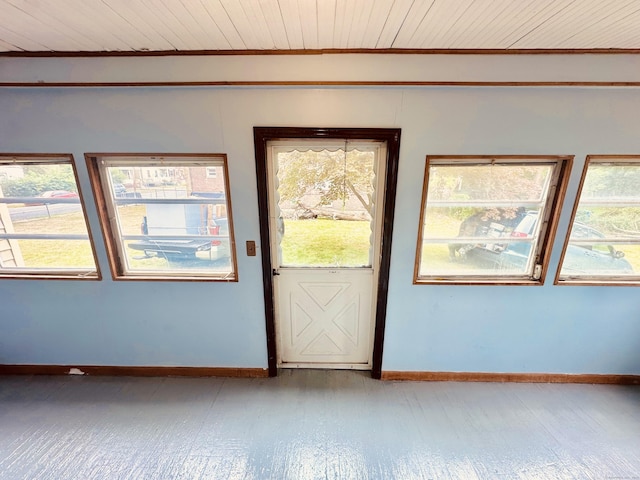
(604, 243)
(485, 219)
(325, 206)
(43, 228)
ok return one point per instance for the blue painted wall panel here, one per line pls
(437, 328)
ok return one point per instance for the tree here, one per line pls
(611, 182)
(39, 179)
(315, 179)
(506, 183)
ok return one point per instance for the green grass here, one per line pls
(325, 242)
(55, 253)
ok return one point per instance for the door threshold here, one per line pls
(326, 366)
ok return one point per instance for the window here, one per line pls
(43, 227)
(163, 219)
(604, 243)
(212, 172)
(488, 219)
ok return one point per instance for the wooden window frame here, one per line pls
(112, 239)
(50, 273)
(547, 234)
(595, 280)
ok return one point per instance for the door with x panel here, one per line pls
(325, 217)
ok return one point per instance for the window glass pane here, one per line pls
(325, 207)
(605, 235)
(42, 224)
(56, 254)
(483, 220)
(487, 241)
(171, 219)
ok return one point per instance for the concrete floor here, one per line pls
(314, 425)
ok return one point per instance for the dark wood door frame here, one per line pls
(261, 136)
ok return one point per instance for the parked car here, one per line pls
(601, 258)
(119, 189)
(54, 194)
(187, 221)
(578, 259)
(58, 194)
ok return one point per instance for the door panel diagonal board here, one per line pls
(323, 293)
(323, 316)
(322, 345)
(347, 319)
(340, 319)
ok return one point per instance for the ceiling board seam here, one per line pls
(539, 25)
(286, 33)
(384, 24)
(47, 25)
(426, 14)
(219, 23)
(206, 31)
(256, 17)
(634, 40)
(513, 29)
(213, 20)
(128, 22)
(553, 36)
(317, 24)
(406, 15)
(444, 35)
(11, 45)
(470, 39)
(22, 50)
(350, 29)
(335, 21)
(111, 27)
(300, 23)
(79, 33)
(181, 23)
(364, 30)
(233, 24)
(600, 20)
(152, 12)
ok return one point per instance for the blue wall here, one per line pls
(563, 329)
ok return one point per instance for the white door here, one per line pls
(325, 210)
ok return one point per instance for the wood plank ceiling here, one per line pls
(276, 25)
